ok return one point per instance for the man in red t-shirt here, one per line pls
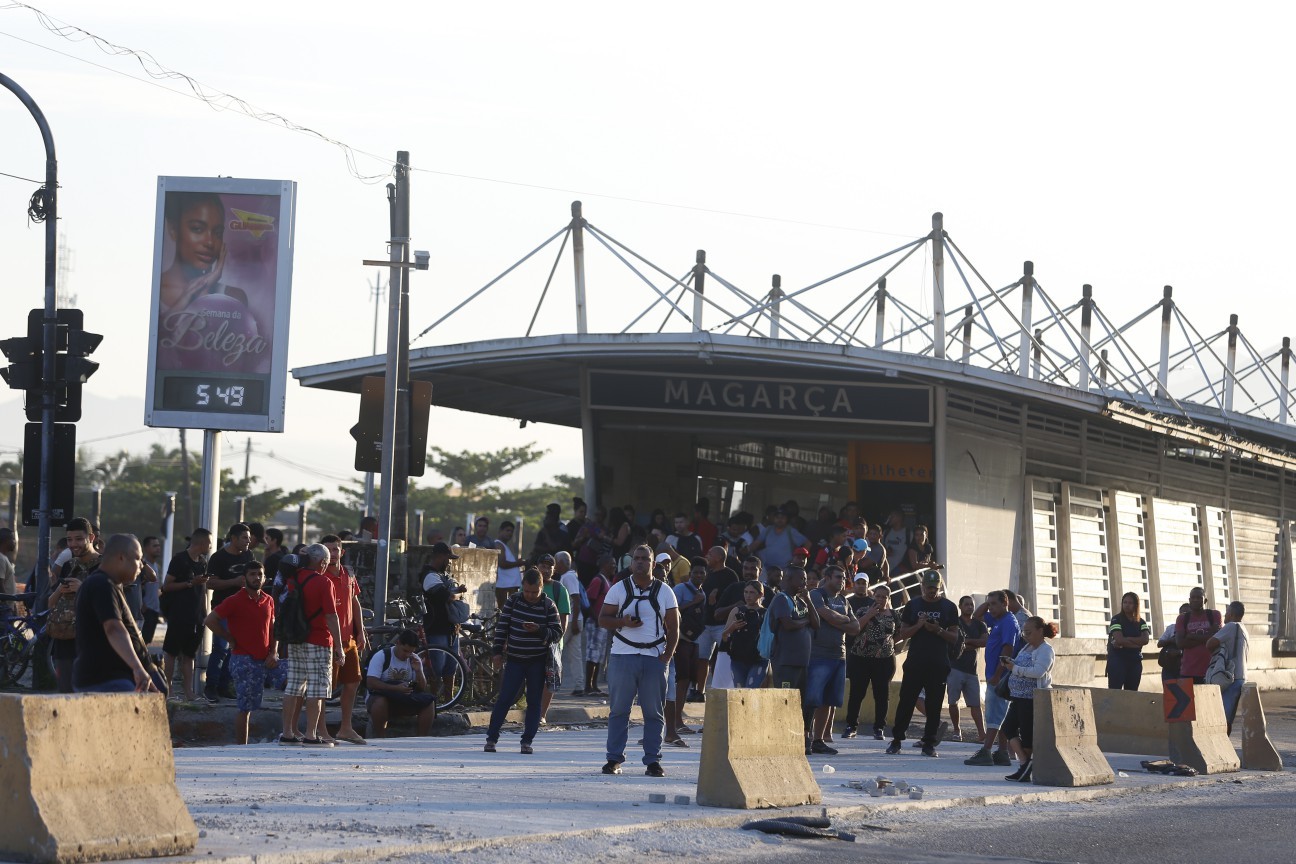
(1193, 630)
(245, 620)
(346, 596)
(310, 664)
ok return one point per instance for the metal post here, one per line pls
(1086, 326)
(390, 400)
(208, 518)
(49, 328)
(96, 508)
(301, 522)
(776, 300)
(879, 330)
(400, 276)
(1285, 397)
(589, 451)
(1163, 370)
(967, 335)
(168, 540)
(578, 262)
(699, 285)
(1028, 296)
(375, 291)
(417, 534)
(1039, 350)
(1231, 371)
(240, 509)
(1102, 366)
(13, 504)
(938, 285)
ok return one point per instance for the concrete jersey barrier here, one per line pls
(753, 751)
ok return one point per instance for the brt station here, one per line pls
(1027, 431)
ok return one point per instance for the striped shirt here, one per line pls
(514, 641)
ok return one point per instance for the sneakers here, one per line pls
(527, 749)
(1002, 758)
(1022, 774)
(695, 696)
(612, 768)
(929, 750)
(654, 769)
(1028, 772)
(289, 741)
(580, 693)
(849, 732)
(980, 757)
(878, 735)
(893, 749)
(823, 749)
(490, 747)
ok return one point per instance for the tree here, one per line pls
(475, 473)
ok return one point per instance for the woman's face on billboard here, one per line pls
(199, 235)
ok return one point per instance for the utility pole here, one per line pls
(188, 487)
(376, 292)
(247, 462)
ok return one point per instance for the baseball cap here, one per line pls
(861, 545)
(861, 577)
(931, 577)
(662, 557)
(443, 549)
(801, 552)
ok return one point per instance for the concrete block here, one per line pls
(656, 797)
(1128, 722)
(1258, 752)
(1066, 751)
(753, 751)
(89, 777)
(1204, 743)
(682, 800)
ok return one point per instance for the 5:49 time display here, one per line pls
(232, 396)
(212, 394)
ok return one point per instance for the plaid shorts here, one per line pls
(249, 681)
(310, 672)
(596, 642)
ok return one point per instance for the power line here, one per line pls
(15, 176)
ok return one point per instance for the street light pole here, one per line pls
(48, 196)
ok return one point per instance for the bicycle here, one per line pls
(452, 683)
(17, 647)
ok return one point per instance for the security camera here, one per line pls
(421, 259)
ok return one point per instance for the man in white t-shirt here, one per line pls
(508, 573)
(397, 687)
(1237, 648)
(643, 615)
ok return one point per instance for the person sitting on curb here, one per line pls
(397, 687)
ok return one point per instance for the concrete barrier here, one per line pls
(1204, 743)
(1066, 751)
(89, 778)
(1258, 752)
(1128, 721)
(753, 751)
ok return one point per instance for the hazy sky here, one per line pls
(1124, 145)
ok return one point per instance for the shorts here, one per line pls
(996, 708)
(964, 684)
(709, 639)
(249, 677)
(686, 655)
(826, 683)
(553, 670)
(595, 642)
(789, 677)
(182, 639)
(348, 671)
(401, 704)
(311, 673)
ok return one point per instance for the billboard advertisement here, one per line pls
(222, 284)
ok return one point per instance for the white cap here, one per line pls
(663, 557)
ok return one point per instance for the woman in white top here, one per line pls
(1030, 672)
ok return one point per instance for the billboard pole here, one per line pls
(211, 471)
(49, 330)
(391, 394)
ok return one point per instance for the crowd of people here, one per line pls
(659, 617)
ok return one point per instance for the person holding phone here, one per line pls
(527, 626)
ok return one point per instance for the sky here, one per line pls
(1128, 146)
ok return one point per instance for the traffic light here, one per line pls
(24, 355)
(420, 408)
(368, 432)
(73, 367)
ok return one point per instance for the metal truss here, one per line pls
(1018, 328)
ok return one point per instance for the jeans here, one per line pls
(1231, 694)
(864, 672)
(218, 674)
(439, 663)
(749, 675)
(919, 677)
(631, 675)
(1124, 670)
(517, 673)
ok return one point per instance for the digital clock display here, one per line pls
(215, 394)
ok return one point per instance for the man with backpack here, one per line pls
(397, 687)
(643, 615)
(308, 624)
(440, 627)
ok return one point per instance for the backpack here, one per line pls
(691, 621)
(292, 624)
(62, 618)
(765, 643)
(630, 596)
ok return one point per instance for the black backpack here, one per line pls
(631, 596)
(292, 624)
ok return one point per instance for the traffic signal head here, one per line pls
(24, 369)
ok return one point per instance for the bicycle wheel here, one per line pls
(446, 675)
(485, 679)
(15, 654)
